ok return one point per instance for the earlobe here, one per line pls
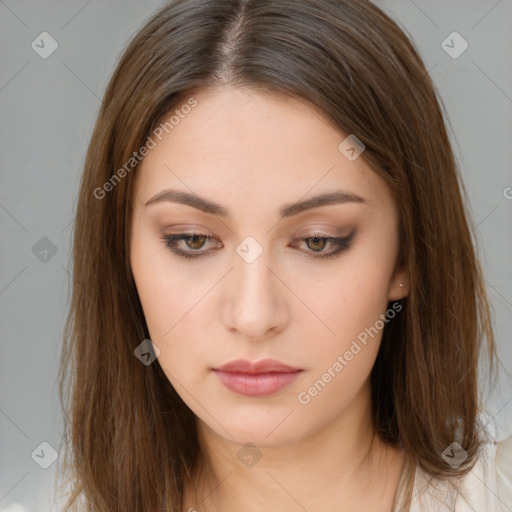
(403, 290)
(400, 287)
(398, 292)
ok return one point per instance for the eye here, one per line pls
(194, 243)
(317, 243)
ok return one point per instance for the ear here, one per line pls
(399, 284)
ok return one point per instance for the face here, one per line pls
(252, 277)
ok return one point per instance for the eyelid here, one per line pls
(328, 229)
(310, 233)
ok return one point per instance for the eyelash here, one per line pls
(342, 244)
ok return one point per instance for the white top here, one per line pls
(486, 488)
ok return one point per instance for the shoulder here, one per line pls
(504, 470)
(486, 487)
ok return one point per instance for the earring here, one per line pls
(400, 284)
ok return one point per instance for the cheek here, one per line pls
(353, 307)
(341, 358)
(344, 304)
(173, 303)
(158, 291)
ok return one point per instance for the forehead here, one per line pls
(246, 146)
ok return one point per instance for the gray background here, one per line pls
(48, 107)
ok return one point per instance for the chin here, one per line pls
(270, 433)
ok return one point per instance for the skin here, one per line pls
(252, 152)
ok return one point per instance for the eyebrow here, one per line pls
(287, 210)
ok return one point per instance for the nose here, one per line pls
(256, 299)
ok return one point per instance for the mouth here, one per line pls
(261, 378)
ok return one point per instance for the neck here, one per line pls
(345, 466)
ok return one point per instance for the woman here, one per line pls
(276, 301)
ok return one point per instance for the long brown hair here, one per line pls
(129, 438)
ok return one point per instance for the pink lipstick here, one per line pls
(261, 378)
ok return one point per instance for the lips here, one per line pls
(261, 378)
(254, 368)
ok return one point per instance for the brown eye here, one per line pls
(317, 243)
(197, 241)
(194, 243)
